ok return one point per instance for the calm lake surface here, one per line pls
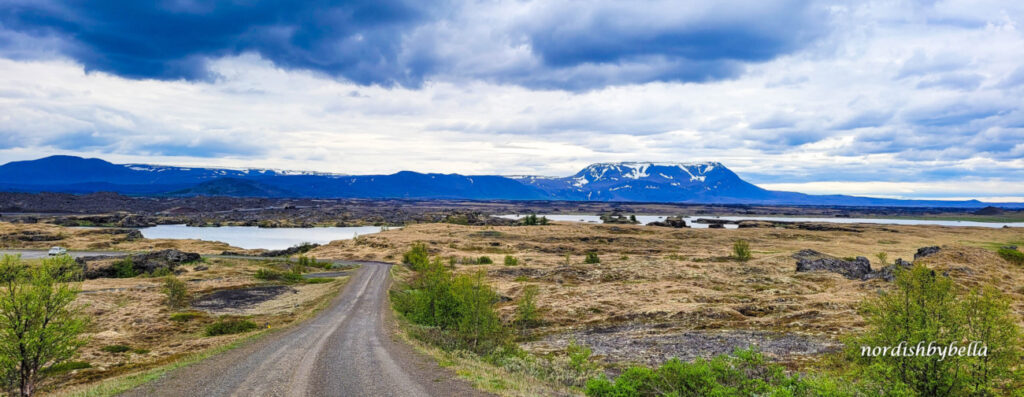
(252, 237)
(645, 219)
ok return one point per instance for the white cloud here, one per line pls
(897, 100)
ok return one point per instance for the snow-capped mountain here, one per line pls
(651, 181)
(707, 182)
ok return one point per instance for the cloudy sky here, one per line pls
(880, 98)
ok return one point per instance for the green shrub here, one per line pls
(417, 257)
(741, 250)
(176, 291)
(591, 258)
(484, 260)
(267, 274)
(140, 351)
(925, 308)
(511, 260)
(579, 356)
(461, 307)
(744, 373)
(317, 280)
(125, 268)
(310, 261)
(65, 367)
(274, 275)
(160, 272)
(527, 313)
(39, 322)
(1011, 255)
(883, 258)
(457, 219)
(291, 277)
(116, 348)
(185, 316)
(533, 220)
(230, 326)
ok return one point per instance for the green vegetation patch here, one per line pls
(66, 366)
(274, 275)
(457, 311)
(1011, 255)
(116, 348)
(744, 373)
(229, 326)
(741, 250)
(125, 268)
(186, 316)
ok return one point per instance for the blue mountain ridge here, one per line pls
(705, 182)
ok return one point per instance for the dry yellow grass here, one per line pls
(685, 276)
(93, 239)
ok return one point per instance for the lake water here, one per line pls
(252, 237)
(645, 219)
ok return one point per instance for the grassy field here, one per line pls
(44, 236)
(657, 286)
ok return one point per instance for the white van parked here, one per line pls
(55, 251)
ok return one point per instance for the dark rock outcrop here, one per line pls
(715, 223)
(128, 234)
(293, 250)
(856, 269)
(888, 273)
(924, 252)
(672, 221)
(141, 263)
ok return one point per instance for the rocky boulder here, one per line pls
(715, 223)
(672, 221)
(128, 234)
(856, 269)
(104, 266)
(924, 252)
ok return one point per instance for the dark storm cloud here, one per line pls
(676, 42)
(359, 40)
(577, 46)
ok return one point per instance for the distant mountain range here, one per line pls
(707, 182)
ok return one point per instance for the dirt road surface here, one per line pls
(346, 350)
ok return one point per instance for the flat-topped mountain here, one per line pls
(704, 182)
(659, 182)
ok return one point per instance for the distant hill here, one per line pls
(234, 187)
(706, 182)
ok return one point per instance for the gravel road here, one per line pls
(346, 350)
